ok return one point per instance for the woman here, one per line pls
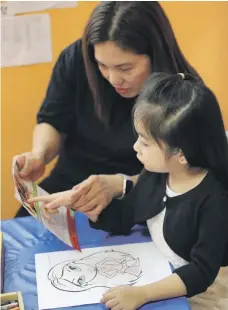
(86, 115)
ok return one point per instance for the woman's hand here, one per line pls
(31, 166)
(62, 198)
(124, 297)
(95, 193)
(52, 202)
(89, 197)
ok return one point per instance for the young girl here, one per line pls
(182, 194)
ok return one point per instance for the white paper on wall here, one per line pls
(19, 7)
(26, 40)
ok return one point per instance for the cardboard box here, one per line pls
(13, 296)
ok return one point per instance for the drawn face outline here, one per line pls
(69, 275)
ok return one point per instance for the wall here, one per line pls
(23, 89)
(201, 29)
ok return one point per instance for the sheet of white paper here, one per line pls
(71, 278)
(18, 7)
(65, 4)
(26, 40)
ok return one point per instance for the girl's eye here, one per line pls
(143, 143)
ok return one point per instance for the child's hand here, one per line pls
(51, 203)
(124, 297)
(54, 201)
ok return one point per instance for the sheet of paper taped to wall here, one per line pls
(26, 40)
(11, 8)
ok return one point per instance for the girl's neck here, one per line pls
(185, 180)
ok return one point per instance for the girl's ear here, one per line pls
(181, 158)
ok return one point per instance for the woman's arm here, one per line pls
(55, 117)
(46, 142)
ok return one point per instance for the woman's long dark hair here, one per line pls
(138, 26)
(185, 114)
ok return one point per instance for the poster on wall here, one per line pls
(11, 8)
(26, 40)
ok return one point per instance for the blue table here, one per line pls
(24, 237)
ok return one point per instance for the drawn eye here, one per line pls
(73, 267)
(81, 279)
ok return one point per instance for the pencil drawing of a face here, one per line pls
(78, 273)
(102, 269)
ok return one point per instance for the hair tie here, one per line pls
(182, 75)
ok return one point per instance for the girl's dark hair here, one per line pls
(185, 114)
(139, 26)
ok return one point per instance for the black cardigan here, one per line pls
(195, 224)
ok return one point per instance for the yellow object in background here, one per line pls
(14, 296)
(201, 30)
